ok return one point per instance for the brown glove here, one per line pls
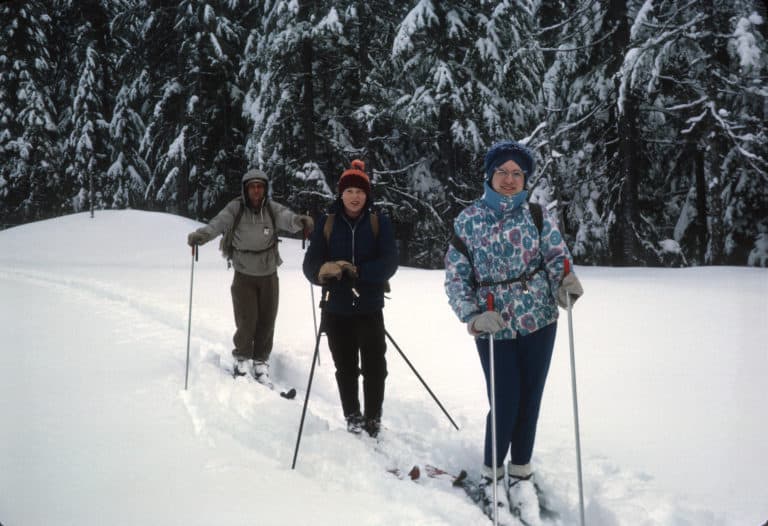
(571, 286)
(329, 270)
(348, 267)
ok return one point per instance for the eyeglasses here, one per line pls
(503, 173)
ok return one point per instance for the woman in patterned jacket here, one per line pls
(499, 249)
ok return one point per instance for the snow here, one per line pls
(745, 43)
(98, 428)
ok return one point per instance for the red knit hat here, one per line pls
(355, 177)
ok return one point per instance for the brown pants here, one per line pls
(254, 300)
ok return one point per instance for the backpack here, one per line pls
(328, 228)
(538, 220)
(226, 246)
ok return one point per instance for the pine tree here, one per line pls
(28, 131)
(86, 56)
(469, 78)
(125, 183)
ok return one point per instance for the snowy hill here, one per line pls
(97, 428)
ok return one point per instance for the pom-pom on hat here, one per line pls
(504, 151)
(356, 177)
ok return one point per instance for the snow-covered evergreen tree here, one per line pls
(29, 147)
(647, 117)
(125, 183)
(192, 141)
(278, 76)
(470, 76)
(87, 141)
(641, 111)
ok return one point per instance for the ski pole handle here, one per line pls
(567, 267)
(304, 237)
(194, 251)
(489, 300)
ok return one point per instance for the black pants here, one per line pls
(254, 300)
(357, 346)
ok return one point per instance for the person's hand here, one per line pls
(308, 223)
(489, 321)
(196, 238)
(348, 267)
(571, 286)
(329, 270)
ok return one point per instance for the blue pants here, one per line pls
(521, 366)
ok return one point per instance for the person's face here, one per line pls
(508, 179)
(256, 190)
(354, 200)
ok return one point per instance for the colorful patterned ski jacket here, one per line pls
(509, 259)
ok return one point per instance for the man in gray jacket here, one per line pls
(254, 220)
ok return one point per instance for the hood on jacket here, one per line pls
(254, 174)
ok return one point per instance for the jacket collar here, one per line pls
(502, 204)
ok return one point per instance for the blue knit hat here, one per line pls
(504, 151)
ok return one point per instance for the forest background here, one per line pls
(647, 118)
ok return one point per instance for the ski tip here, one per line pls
(290, 394)
(460, 478)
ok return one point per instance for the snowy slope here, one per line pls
(97, 428)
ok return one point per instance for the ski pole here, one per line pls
(312, 295)
(493, 418)
(314, 315)
(575, 397)
(420, 378)
(189, 322)
(309, 383)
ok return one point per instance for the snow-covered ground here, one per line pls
(98, 429)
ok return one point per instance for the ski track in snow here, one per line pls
(221, 409)
(215, 400)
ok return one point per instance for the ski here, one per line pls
(435, 472)
(289, 394)
(432, 472)
(414, 473)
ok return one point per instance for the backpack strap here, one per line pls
(458, 244)
(271, 214)
(538, 216)
(328, 226)
(328, 229)
(230, 233)
(239, 214)
(226, 243)
(375, 224)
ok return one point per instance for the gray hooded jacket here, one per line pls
(254, 235)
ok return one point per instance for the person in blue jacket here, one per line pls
(499, 250)
(352, 254)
